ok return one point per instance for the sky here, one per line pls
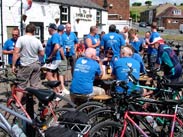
(157, 2)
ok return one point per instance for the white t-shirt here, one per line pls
(29, 49)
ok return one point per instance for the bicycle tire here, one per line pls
(100, 114)
(89, 106)
(110, 128)
(178, 131)
(4, 133)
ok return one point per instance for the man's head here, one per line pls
(90, 53)
(147, 34)
(126, 51)
(52, 28)
(93, 30)
(156, 42)
(61, 28)
(30, 28)
(125, 29)
(15, 33)
(132, 33)
(112, 28)
(154, 26)
(68, 27)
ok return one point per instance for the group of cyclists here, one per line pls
(116, 50)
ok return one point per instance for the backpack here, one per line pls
(74, 117)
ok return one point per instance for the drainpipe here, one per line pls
(1, 6)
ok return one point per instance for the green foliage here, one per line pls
(136, 4)
(148, 3)
(181, 4)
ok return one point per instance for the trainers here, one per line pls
(65, 92)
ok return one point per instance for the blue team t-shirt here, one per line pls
(55, 39)
(137, 57)
(94, 40)
(114, 41)
(84, 74)
(69, 40)
(121, 69)
(10, 45)
(137, 45)
(150, 50)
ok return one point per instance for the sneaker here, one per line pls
(65, 92)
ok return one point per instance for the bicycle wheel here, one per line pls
(90, 106)
(178, 131)
(111, 129)
(100, 114)
(4, 133)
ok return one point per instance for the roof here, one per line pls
(168, 13)
(162, 7)
(78, 3)
(159, 8)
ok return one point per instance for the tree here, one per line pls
(136, 4)
(175, 4)
(148, 3)
(181, 4)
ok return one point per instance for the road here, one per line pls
(166, 32)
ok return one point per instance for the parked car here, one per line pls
(160, 28)
(181, 28)
(142, 24)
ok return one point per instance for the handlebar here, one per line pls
(14, 80)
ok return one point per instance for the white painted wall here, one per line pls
(83, 26)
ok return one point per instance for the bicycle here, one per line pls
(114, 128)
(10, 130)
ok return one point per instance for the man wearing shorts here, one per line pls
(62, 67)
(28, 48)
(53, 57)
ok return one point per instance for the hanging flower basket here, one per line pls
(77, 20)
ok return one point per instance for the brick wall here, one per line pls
(121, 8)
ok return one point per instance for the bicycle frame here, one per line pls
(14, 98)
(5, 124)
(171, 116)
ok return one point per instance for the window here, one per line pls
(175, 21)
(176, 12)
(99, 17)
(65, 14)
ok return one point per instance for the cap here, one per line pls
(157, 39)
(61, 27)
(52, 26)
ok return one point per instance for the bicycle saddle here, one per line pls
(43, 95)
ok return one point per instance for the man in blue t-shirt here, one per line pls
(135, 41)
(121, 69)
(70, 42)
(85, 70)
(168, 60)
(92, 40)
(152, 52)
(9, 46)
(112, 40)
(52, 53)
